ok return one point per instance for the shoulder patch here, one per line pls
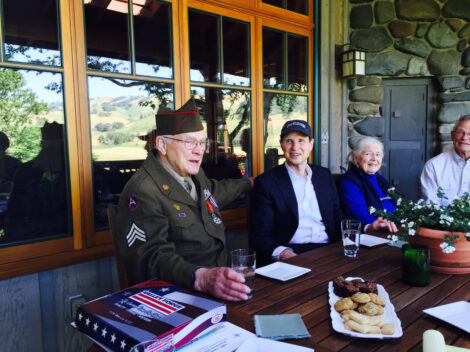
(135, 233)
(131, 202)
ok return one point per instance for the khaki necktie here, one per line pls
(190, 186)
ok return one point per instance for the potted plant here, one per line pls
(444, 228)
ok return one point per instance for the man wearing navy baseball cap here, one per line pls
(296, 204)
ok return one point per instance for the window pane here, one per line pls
(31, 32)
(107, 38)
(277, 3)
(278, 109)
(122, 118)
(273, 59)
(297, 63)
(152, 39)
(226, 118)
(203, 47)
(236, 52)
(300, 6)
(34, 191)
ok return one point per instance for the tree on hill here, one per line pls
(20, 115)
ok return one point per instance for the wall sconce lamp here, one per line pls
(354, 62)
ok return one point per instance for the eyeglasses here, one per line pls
(461, 134)
(190, 144)
(370, 154)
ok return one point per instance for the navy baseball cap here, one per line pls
(296, 126)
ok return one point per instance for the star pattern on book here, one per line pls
(104, 332)
(80, 316)
(87, 322)
(113, 338)
(123, 344)
(164, 289)
(95, 326)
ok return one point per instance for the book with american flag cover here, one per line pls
(153, 309)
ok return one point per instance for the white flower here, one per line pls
(402, 221)
(394, 238)
(441, 221)
(433, 214)
(398, 201)
(446, 248)
(391, 189)
(411, 232)
(411, 223)
(371, 210)
(467, 234)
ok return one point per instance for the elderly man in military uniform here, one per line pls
(168, 221)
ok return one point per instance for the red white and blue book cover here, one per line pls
(153, 309)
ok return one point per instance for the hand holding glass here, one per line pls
(351, 233)
(244, 262)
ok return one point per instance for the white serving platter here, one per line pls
(389, 314)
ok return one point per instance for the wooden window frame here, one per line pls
(85, 244)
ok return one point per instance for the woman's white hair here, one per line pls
(359, 147)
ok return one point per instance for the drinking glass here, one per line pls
(351, 233)
(416, 264)
(244, 262)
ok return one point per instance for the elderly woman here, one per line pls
(361, 186)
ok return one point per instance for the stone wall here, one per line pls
(409, 38)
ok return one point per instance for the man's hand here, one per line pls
(222, 282)
(382, 224)
(286, 254)
(252, 180)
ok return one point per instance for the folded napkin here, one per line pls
(280, 327)
(433, 341)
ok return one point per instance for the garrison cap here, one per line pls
(297, 126)
(185, 119)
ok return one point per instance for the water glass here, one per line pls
(244, 262)
(351, 233)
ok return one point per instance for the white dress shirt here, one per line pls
(311, 228)
(449, 171)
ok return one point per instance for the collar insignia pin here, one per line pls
(165, 187)
(177, 207)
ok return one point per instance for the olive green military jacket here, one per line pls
(162, 232)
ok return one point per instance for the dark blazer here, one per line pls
(274, 211)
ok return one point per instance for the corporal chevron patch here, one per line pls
(135, 233)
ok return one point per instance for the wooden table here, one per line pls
(308, 296)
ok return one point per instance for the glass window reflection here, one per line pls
(122, 121)
(273, 59)
(236, 52)
(279, 108)
(152, 35)
(297, 63)
(226, 118)
(30, 30)
(107, 36)
(203, 47)
(34, 190)
(299, 6)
